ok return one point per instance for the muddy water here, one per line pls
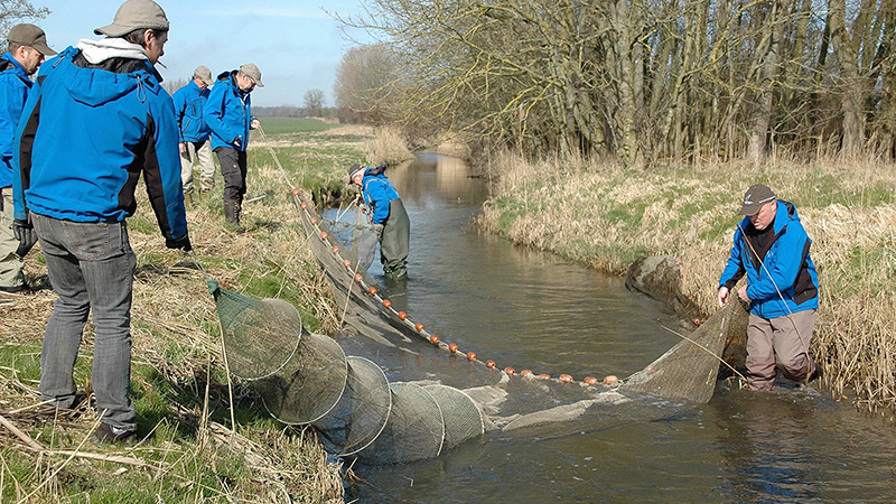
(527, 309)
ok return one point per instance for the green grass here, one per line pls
(281, 125)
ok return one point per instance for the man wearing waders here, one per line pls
(189, 102)
(772, 248)
(27, 49)
(390, 219)
(228, 112)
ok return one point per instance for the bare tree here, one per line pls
(314, 102)
(13, 12)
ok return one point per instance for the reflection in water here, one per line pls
(524, 308)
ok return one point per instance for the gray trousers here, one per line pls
(202, 152)
(91, 268)
(395, 240)
(11, 264)
(782, 343)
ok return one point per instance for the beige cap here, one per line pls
(134, 15)
(204, 74)
(26, 34)
(253, 72)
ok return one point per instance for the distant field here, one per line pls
(278, 125)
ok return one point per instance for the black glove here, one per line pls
(180, 243)
(24, 232)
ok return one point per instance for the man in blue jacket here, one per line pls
(228, 112)
(772, 249)
(390, 219)
(27, 49)
(189, 102)
(96, 120)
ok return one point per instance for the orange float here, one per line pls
(434, 339)
(526, 372)
(419, 326)
(387, 304)
(295, 192)
(544, 376)
(372, 291)
(335, 249)
(452, 347)
(509, 371)
(359, 277)
(402, 315)
(313, 220)
(611, 380)
(590, 380)
(490, 364)
(565, 378)
(302, 204)
(471, 356)
(347, 263)
(324, 235)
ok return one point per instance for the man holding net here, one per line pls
(772, 249)
(96, 120)
(390, 219)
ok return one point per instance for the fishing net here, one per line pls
(355, 232)
(417, 396)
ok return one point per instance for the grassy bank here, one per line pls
(606, 216)
(192, 452)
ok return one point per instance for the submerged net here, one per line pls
(438, 397)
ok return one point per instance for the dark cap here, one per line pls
(251, 70)
(134, 15)
(26, 34)
(756, 196)
(353, 169)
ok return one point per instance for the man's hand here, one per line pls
(378, 229)
(182, 147)
(24, 232)
(724, 294)
(742, 294)
(180, 243)
(237, 142)
(255, 124)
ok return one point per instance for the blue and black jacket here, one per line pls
(189, 103)
(87, 133)
(788, 266)
(228, 112)
(378, 191)
(14, 88)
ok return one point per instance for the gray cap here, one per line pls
(353, 169)
(204, 74)
(253, 72)
(134, 15)
(756, 196)
(26, 34)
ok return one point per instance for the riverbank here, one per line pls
(606, 217)
(192, 450)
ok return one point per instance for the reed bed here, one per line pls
(388, 146)
(605, 216)
(193, 451)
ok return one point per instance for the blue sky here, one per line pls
(296, 44)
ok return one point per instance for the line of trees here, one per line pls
(637, 80)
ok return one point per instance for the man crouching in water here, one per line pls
(772, 248)
(390, 219)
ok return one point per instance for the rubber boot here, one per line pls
(232, 216)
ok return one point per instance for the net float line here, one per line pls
(418, 329)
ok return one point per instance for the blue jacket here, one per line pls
(189, 102)
(87, 133)
(378, 191)
(14, 88)
(228, 112)
(788, 266)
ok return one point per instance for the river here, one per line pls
(529, 309)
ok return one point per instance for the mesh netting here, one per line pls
(462, 418)
(415, 430)
(309, 385)
(354, 231)
(260, 336)
(361, 413)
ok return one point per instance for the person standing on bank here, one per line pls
(27, 49)
(772, 248)
(390, 219)
(189, 103)
(96, 118)
(228, 112)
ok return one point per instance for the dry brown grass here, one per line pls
(605, 216)
(388, 146)
(176, 338)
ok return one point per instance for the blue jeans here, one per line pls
(91, 267)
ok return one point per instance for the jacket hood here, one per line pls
(95, 85)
